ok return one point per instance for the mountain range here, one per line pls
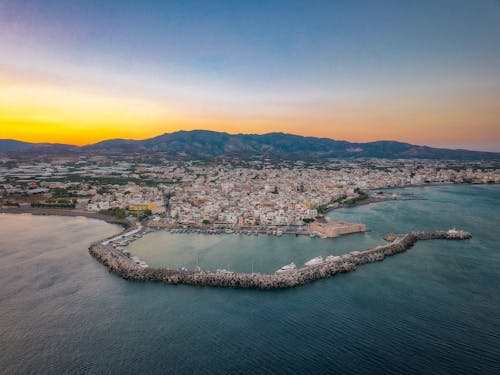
(204, 144)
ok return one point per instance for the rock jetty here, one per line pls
(124, 266)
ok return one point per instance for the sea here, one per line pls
(433, 309)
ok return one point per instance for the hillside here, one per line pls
(209, 144)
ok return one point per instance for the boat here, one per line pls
(279, 233)
(332, 258)
(135, 259)
(315, 234)
(287, 268)
(314, 261)
(223, 270)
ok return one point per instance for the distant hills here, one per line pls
(204, 144)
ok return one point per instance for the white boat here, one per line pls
(287, 268)
(314, 261)
(279, 233)
(315, 234)
(223, 270)
(332, 258)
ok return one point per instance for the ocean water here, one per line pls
(433, 309)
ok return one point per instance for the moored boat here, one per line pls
(332, 258)
(287, 268)
(314, 261)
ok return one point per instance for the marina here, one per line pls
(327, 228)
(129, 267)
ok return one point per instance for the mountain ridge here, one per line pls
(208, 144)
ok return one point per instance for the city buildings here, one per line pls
(238, 193)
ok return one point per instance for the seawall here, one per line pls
(123, 266)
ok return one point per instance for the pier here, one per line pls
(123, 265)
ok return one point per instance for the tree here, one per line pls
(63, 193)
(118, 212)
(322, 208)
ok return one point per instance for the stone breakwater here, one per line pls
(123, 266)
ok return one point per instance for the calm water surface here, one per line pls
(435, 308)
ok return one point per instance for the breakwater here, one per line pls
(123, 265)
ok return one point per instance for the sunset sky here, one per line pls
(424, 72)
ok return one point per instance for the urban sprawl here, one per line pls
(229, 194)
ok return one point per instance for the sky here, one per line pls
(423, 72)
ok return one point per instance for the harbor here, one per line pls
(324, 228)
(120, 262)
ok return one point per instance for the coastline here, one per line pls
(66, 212)
(127, 224)
(129, 267)
(371, 201)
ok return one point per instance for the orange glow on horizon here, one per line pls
(37, 112)
(45, 113)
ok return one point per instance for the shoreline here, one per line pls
(371, 201)
(127, 224)
(66, 212)
(366, 201)
(120, 262)
(435, 184)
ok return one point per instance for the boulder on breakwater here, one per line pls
(389, 237)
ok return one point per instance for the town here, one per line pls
(258, 193)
